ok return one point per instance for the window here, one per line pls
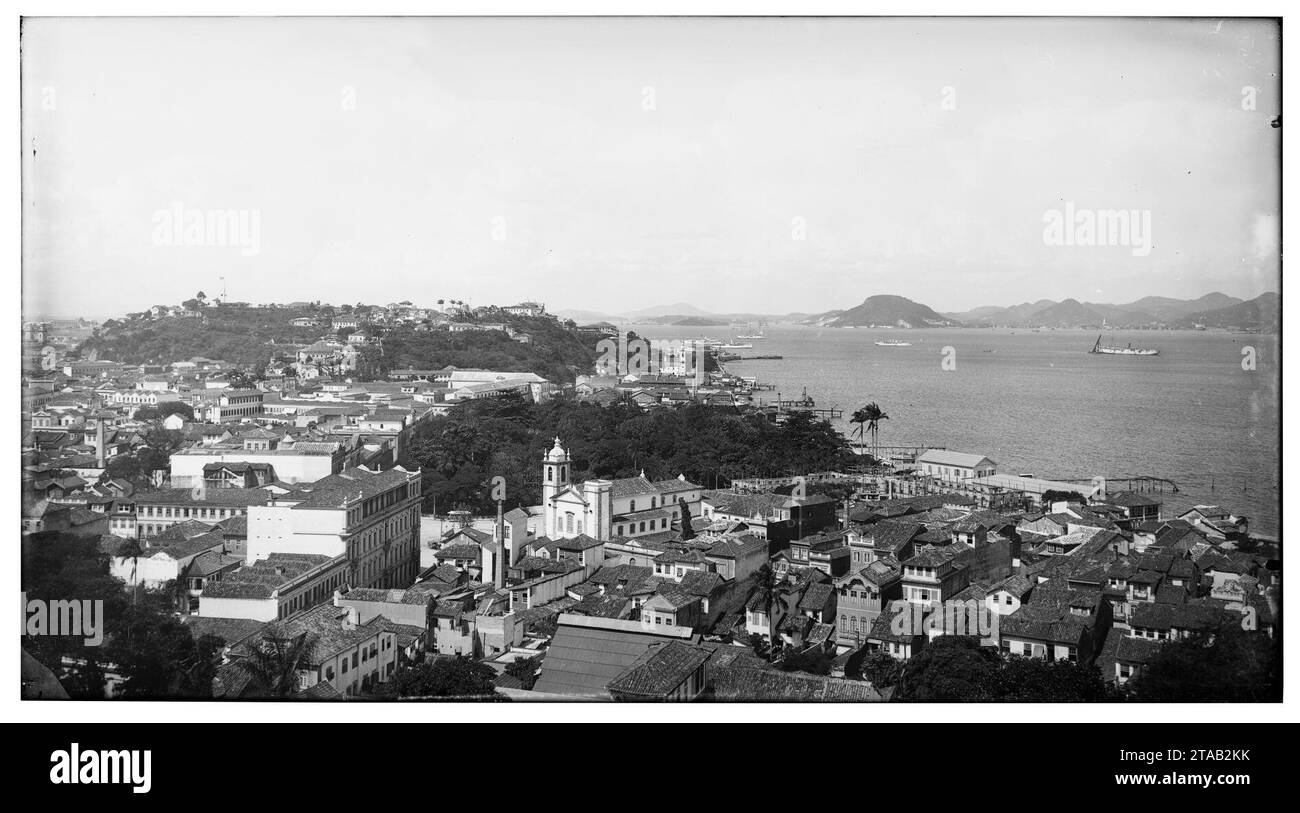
(345, 666)
(632, 506)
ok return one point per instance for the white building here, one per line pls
(609, 509)
(371, 516)
(955, 467)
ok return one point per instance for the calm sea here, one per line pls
(1040, 403)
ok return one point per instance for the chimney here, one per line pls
(502, 556)
(99, 442)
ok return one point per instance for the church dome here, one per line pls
(557, 453)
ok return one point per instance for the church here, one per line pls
(605, 510)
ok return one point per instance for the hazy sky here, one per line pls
(741, 165)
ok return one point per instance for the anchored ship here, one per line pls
(892, 343)
(1128, 350)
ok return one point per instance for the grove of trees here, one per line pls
(461, 451)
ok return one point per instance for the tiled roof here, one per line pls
(189, 547)
(260, 579)
(743, 683)
(817, 597)
(631, 576)
(337, 489)
(1131, 499)
(633, 486)
(1146, 615)
(584, 657)
(609, 605)
(891, 536)
(333, 634)
(1127, 649)
(579, 542)
(1043, 623)
(230, 630)
(659, 671)
(701, 583)
(460, 550)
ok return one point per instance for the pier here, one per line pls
(1141, 482)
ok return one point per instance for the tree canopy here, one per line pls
(958, 669)
(444, 677)
(710, 445)
(1227, 665)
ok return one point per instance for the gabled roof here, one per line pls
(942, 457)
(587, 653)
(660, 670)
(817, 597)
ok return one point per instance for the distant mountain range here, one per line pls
(680, 313)
(1214, 310)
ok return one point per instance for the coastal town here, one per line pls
(439, 500)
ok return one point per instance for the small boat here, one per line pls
(892, 343)
(1128, 350)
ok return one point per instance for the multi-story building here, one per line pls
(863, 595)
(932, 574)
(372, 517)
(281, 585)
(156, 511)
(234, 405)
(294, 459)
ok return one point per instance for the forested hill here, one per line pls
(242, 336)
(556, 351)
(251, 337)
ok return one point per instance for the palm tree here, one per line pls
(860, 417)
(773, 590)
(275, 661)
(131, 548)
(870, 417)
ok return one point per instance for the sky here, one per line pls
(741, 165)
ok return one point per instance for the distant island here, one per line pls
(884, 310)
